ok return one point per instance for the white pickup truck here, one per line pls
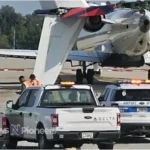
(65, 114)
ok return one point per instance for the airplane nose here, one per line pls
(144, 24)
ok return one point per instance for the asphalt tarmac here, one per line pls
(8, 92)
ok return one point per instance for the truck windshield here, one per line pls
(67, 97)
(132, 95)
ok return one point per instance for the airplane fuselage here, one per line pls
(130, 34)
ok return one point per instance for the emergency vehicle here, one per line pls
(132, 97)
(67, 114)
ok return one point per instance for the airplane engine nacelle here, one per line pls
(93, 24)
(120, 60)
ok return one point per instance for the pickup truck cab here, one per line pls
(133, 99)
(66, 114)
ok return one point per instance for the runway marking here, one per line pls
(11, 69)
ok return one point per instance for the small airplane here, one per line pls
(120, 38)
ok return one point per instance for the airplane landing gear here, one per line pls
(97, 72)
(81, 75)
(88, 75)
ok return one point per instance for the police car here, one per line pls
(133, 99)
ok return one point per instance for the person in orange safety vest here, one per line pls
(24, 83)
(34, 81)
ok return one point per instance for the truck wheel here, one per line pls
(106, 146)
(11, 144)
(42, 142)
(79, 76)
(90, 74)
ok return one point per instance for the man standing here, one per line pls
(24, 83)
(34, 81)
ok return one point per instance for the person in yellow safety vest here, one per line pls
(34, 81)
(24, 83)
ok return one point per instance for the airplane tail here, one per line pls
(64, 20)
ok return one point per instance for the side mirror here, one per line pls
(101, 98)
(9, 104)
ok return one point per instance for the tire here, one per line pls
(90, 74)
(11, 144)
(106, 146)
(42, 142)
(148, 75)
(79, 76)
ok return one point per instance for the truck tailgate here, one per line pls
(87, 119)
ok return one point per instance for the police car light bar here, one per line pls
(67, 83)
(134, 81)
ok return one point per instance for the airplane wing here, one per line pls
(31, 54)
(78, 55)
(89, 56)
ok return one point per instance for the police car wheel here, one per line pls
(11, 144)
(105, 146)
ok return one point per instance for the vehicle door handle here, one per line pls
(21, 113)
(30, 114)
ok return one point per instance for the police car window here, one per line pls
(112, 95)
(23, 98)
(67, 97)
(133, 95)
(103, 92)
(32, 98)
(106, 94)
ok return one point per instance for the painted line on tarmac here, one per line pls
(109, 79)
